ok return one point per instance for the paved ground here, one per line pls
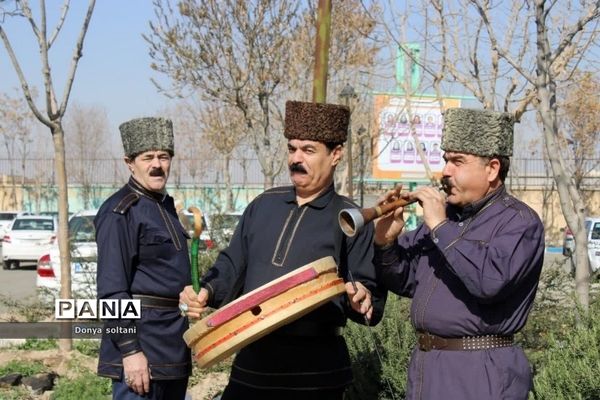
(17, 284)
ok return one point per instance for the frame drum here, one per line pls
(263, 310)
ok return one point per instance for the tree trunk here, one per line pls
(65, 343)
(228, 188)
(571, 202)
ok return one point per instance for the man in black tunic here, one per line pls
(284, 229)
(143, 254)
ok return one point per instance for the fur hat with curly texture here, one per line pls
(144, 134)
(326, 123)
(483, 133)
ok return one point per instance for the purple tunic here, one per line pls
(476, 274)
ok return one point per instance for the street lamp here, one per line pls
(346, 94)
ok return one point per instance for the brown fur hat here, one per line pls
(326, 123)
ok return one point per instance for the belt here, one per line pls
(309, 329)
(428, 341)
(156, 301)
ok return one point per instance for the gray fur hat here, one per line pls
(144, 134)
(320, 122)
(483, 133)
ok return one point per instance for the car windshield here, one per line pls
(81, 228)
(33, 224)
(596, 231)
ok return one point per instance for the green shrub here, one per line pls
(206, 259)
(380, 355)
(28, 310)
(87, 386)
(569, 369)
(25, 368)
(38, 344)
(88, 347)
(15, 393)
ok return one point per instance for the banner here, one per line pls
(403, 124)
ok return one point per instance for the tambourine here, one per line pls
(263, 310)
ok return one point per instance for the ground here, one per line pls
(206, 388)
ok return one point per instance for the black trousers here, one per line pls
(159, 390)
(236, 391)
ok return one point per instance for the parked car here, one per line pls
(26, 238)
(84, 255)
(217, 229)
(6, 217)
(592, 229)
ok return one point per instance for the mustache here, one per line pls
(157, 172)
(297, 167)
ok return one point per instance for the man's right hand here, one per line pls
(389, 226)
(136, 373)
(196, 302)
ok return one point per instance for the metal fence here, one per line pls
(531, 173)
(524, 173)
(112, 171)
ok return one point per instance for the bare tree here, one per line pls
(192, 155)
(15, 129)
(223, 127)
(55, 109)
(232, 52)
(86, 147)
(251, 56)
(579, 121)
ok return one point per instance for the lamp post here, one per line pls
(361, 140)
(346, 94)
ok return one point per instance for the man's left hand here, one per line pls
(360, 298)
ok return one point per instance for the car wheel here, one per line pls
(5, 265)
(13, 265)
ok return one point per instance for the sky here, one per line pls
(113, 73)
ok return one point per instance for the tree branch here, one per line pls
(61, 21)
(76, 56)
(24, 85)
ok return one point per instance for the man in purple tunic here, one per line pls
(471, 268)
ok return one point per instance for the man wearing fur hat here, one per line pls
(143, 254)
(471, 268)
(284, 229)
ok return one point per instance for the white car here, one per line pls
(83, 260)
(592, 229)
(6, 217)
(26, 238)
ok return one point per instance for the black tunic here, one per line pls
(274, 237)
(142, 249)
